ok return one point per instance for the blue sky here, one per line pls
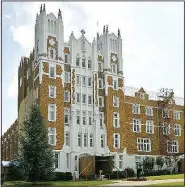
(152, 33)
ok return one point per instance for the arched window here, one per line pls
(49, 26)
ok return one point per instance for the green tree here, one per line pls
(160, 162)
(148, 163)
(35, 154)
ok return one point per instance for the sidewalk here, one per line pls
(142, 183)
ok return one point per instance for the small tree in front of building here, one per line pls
(35, 154)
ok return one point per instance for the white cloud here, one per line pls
(13, 86)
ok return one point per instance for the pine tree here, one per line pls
(35, 154)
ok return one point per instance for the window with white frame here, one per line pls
(177, 129)
(78, 80)
(79, 139)
(114, 161)
(57, 160)
(149, 111)
(102, 139)
(100, 67)
(101, 119)
(142, 95)
(166, 129)
(115, 84)
(115, 101)
(83, 81)
(91, 140)
(89, 81)
(85, 140)
(116, 119)
(52, 136)
(117, 140)
(136, 109)
(77, 61)
(51, 112)
(84, 117)
(100, 83)
(89, 99)
(172, 146)
(66, 116)
(90, 117)
(67, 77)
(66, 96)
(89, 63)
(176, 115)
(165, 113)
(78, 117)
(52, 72)
(67, 160)
(121, 161)
(101, 101)
(52, 91)
(83, 98)
(136, 125)
(144, 144)
(83, 62)
(78, 97)
(67, 138)
(20, 81)
(149, 127)
(66, 59)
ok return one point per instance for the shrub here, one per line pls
(130, 172)
(68, 176)
(160, 162)
(148, 163)
(61, 176)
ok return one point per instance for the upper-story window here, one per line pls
(51, 112)
(114, 68)
(115, 101)
(78, 80)
(176, 115)
(66, 116)
(66, 96)
(89, 99)
(101, 101)
(89, 63)
(102, 139)
(142, 95)
(177, 129)
(100, 66)
(165, 113)
(115, 84)
(78, 117)
(67, 77)
(52, 136)
(90, 117)
(52, 72)
(85, 140)
(84, 117)
(100, 83)
(166, 129)
(52, 91)
(101, 119)
(91, 140)
(83, 62)
(77, 61)
(116, 120)
(117, 140)
(51, 53)
(54, 27)
(66, 59)
(144, 144)
(79, 139)
(78, 97)
(83, 81)
(136, 125)
(67, 138)
(149, 111)
(49, 26)
(149, 127)
(89, 81)
(136, 109)
(83, 98)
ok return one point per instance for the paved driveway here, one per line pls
(142, 183)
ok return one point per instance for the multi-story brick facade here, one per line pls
(80, 89)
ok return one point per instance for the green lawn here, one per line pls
(168, 184)
(165, 177)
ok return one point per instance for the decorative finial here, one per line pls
(107, 29)
(44, 9)
(40, 8)
(119, 32)
(83, 32)
(104, 28)
(59, 13)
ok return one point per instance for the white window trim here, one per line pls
(79, 80)
(79, 133)
(176, 113)
(77, 93)
(79, 117)
(88, 81)
(102, 137)
(85, 99)
(102, 101)
(179, 127)
(114, 99)
(51, 65)
(91, 134)
(142, 95)
(118, 140)
(90, 63)
(85, 81)
(152, 127)
(50, 86)
(149, 142)
(150, 108)
(54, 136)
(165, 125)
(67, 112)
(91, 99)
(68, 92)
(57, 160)
(54, 112)
(138, 124)
(100, 80)
(133, 111)
(173, 146)
(118, 125)
(67, 132)
(116, 84)
(86, 140)
(68, 77)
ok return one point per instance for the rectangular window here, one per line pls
(166, 129)
(101, 119)
(85, 140)
(121, 161)
(172, 146)
(20, 81)
(100, 83)
(177, 129)
(89, 81)
(67, 160)
(115, 101)
(101, 101)
(84, 117)
(165, 113)
(115, 84)
(142, 95)
(51, 112)
(66, 96)
(144, 144)
(149, 111)
(89, 64)
(91, 140)
(77, 61)
(116, 120)
(149, 127)
(83, 62)
(67, 77)
(66, 116)
(136, 125)
(52, 136)
(83, 98)
(67, 139)
(78, 97)
(66, 59)
(90, 118)
(52, 91)
(83, 81)
(102, 140)
(57, 159)
(136, 109)
(52, 72)
(176, 115)
(89, 99)
(78, 117)
(79, 140)
(78, 80)
(117, 140)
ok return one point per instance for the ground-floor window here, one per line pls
(67, 160)
(120, 161)
(172, 147)
(57, 159)
(144, 144)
